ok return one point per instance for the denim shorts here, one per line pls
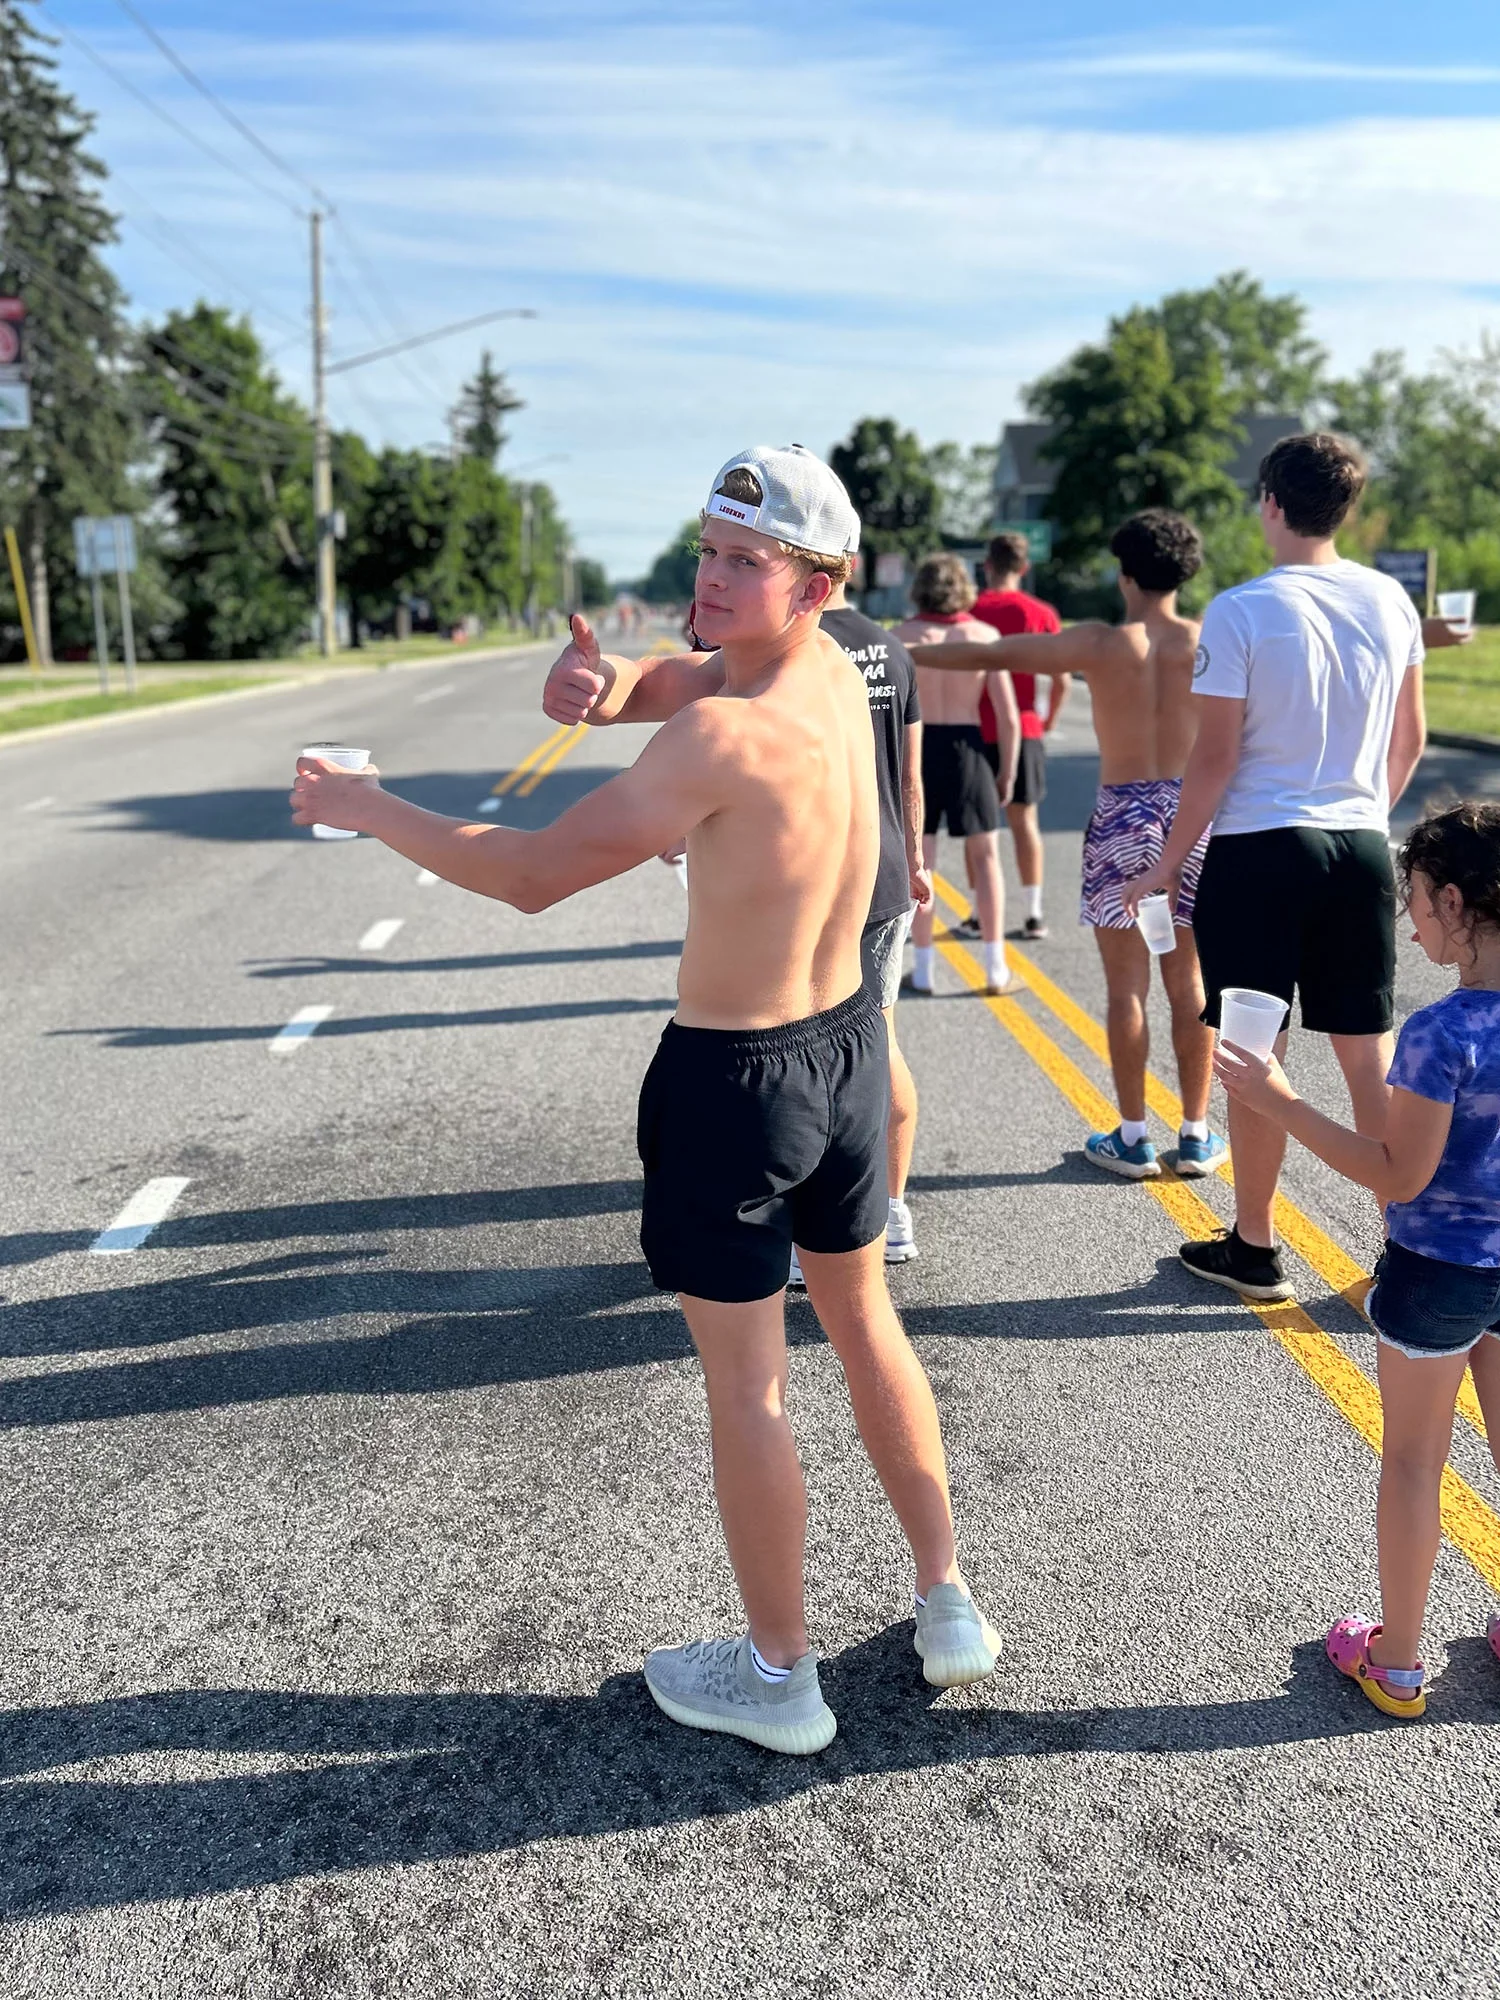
(1423, 1306)
(880, 948)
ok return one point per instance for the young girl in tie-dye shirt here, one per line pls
(1436, 1297)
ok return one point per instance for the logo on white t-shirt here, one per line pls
(1200, 663)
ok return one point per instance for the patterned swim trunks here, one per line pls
(1125, 837)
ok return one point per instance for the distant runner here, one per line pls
(1012, 612)
(1140, 675)
(763, 1113)
(958, 783)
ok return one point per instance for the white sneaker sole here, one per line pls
(961, 1665)
(1124, 1168)
(900, 1253)
(792, 1739)
(1194, 1170)
(1263, 1295)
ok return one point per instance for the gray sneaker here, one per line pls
(955, 1642)
(712, 1684)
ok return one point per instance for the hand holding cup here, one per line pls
(331, 793)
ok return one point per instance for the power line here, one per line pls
(190, 256)
(232, 117)
(193, 138)
(438, 333)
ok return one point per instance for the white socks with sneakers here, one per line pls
(1132, 1130)
(1031, 900)
(1194, 1128)
(771, 1675)
(996, 972)
(923, 957)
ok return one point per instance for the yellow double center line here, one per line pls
(1470, 1524)
(546, 757)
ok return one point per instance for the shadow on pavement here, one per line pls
(471, 1773)
(495, 961)
(371, 1024)
(251, 813)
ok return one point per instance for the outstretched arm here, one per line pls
(1050, 654)
(585, 685)
(677, 782)
(1395, 1168)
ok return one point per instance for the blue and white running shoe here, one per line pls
(1197, 1158)
(1109, 1150)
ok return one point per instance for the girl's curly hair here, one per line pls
(1459, 844)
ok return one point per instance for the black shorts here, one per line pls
(757, 1138)
(957, 783)
(1031, 770)
(1300, 908)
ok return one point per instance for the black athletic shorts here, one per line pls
(1299, 908)
(1031, 770)
(757, 1138)
(956, 780)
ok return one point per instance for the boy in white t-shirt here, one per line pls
(1308, 683)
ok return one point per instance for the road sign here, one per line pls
(15, 406)
(104, 544)
(1414, 569)
(12, 319)
(1038, 537)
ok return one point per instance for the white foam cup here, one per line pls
(1456, 608)
(347, 759)
(1251, 1020)
(1157, 925)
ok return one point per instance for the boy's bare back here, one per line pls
(1140, 676)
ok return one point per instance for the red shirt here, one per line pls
(1012, 612)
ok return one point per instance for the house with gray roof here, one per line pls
(1024, 479)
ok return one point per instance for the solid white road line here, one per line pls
(306, 1021)
(426, 878)
(434, 694)
(378, 936)
(36, 805)
(489, 805)
(147, 1207)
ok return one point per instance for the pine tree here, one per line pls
(53, 224)
(480, 411)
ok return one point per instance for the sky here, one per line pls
(740, 225)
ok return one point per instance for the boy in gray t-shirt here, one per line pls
(1309, 687)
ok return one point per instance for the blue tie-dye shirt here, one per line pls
(1450, 1052)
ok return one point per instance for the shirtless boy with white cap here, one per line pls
(763, 1113)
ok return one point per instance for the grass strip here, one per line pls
(79, 707)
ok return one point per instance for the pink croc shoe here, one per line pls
(1395, 1691)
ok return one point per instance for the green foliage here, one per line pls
(235, 471)
(76, 457)
(591, 583)
(479, 414)
(966, 488)
(1267, 361)
(890, 481)
(1434, 447)
(673, 576)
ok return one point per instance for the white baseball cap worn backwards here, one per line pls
(803, 501)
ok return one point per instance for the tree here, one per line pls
(592, 583)
(1137, 425)
(887, 476)
(75, 458)
(235, 472)
(673, 577)
(479, 413)
(966, 488)
(1267, 360)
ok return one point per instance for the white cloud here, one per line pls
(731, 238)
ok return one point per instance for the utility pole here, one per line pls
(322, 458)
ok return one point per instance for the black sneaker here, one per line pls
(1032, 929)
(1227, 1259)
(969, 928)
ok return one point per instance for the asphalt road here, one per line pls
(342, 1512)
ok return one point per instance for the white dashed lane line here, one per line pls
(378, 936)
(305, 1022)
(489, 805)
(146, 1208)
(37, 805)
(434, 694)
(426, 878)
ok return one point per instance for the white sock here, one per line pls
(1194, 1128)
(1031, 899)
(766, 1671)
(921, 1600)
(922, 956)
(1132, 1130)
(995, 970)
